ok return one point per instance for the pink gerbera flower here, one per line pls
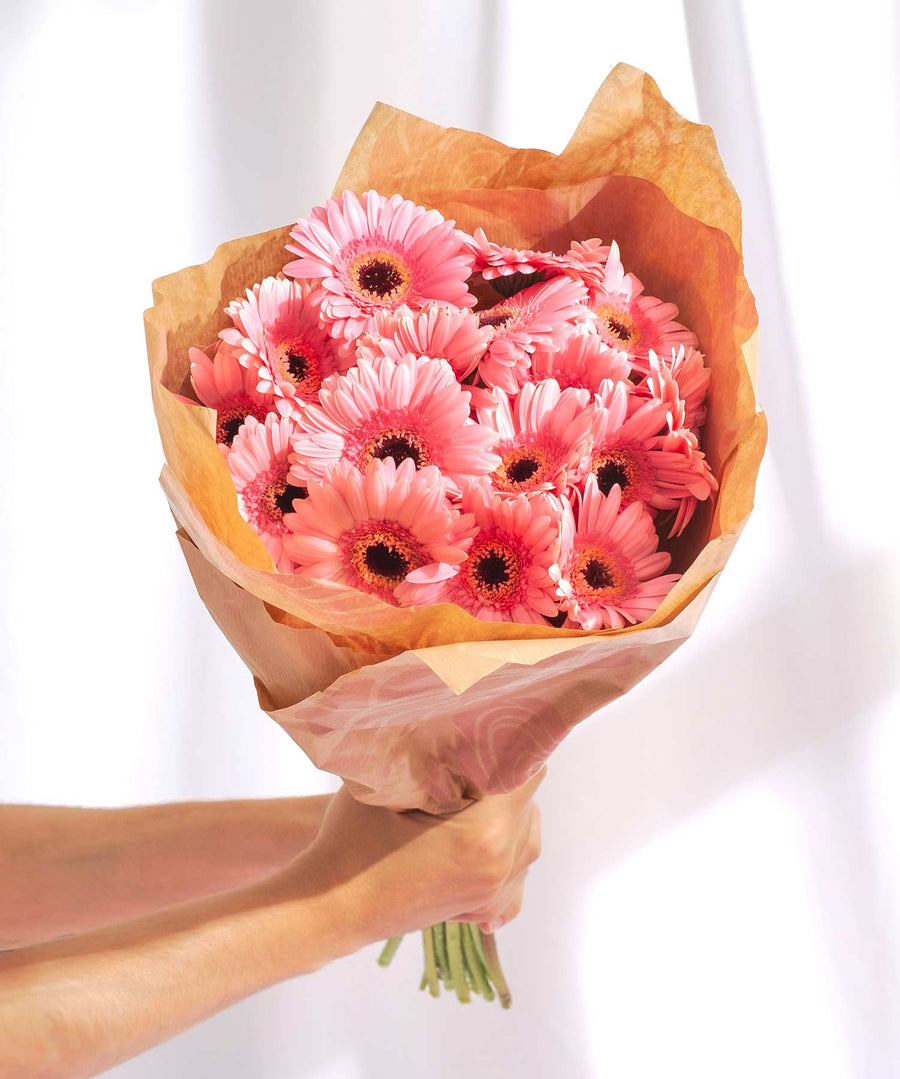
(636, 449)
(410, 408)
(258, 463)
(224, 384)
(610, 575)
(629, 320)
(541, 316)
(276, 328)
(437, 331)
(543, 434)
(371, 529)
(494, 261)
(507, 574)
(584, 360)
(681, 380)
(588, 260)
(373, 253)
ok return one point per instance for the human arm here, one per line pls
(68, 870)
(73, 1007)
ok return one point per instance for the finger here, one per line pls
(505, 907)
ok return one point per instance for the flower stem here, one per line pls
(431, 974)
(389, 951)
(480, 983)
(492, 962)
(457, 963)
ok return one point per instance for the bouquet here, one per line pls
(466, 466)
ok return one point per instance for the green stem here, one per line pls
(443, 960)
(457, 963)
(431, 976)
(473, 963)
(492, 962)
(389, 951)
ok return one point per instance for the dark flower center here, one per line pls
(618, 328)
(386, 561)
(596, 575)
(612, 472)
(285, 499)
(495, 316)
(230, 428)
(379, 277)
(297, 365)
(492, 571)
(399, 447)
(522, 470)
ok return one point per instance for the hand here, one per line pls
(393, 873)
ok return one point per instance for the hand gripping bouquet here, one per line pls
(457, 458)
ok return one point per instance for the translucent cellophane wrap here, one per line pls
(430, 707)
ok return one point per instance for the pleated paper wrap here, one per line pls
(430, 707)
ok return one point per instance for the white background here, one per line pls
(718, 892)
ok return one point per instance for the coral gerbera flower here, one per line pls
(681, 380)
(629, 320)
(610, 576)
(543, 433)
(584, 360)
(373, 253)
(507, 574)
(636, 448)
(541, 316)
(259, 465)
(370, 529)
(494, 261)
(437, 331)
(224, 384)
(412, 408)
(276, 328)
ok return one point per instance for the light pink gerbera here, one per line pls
(588, 260)
(681, 380)
(371, 529)
(494, 261)
(544, 434)
(224, 384)
(541, 316)
(276, 328)
(636, 449)
(258, 463)
(373, 253)
(610, 575)
(437, 331)
(629, 320)
(584, 360)
(411, 408)
(507, 574)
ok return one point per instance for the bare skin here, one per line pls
(72, 1007)
(65, 870)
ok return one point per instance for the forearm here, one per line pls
(74, 1007)
(65, 870)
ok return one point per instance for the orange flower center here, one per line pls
(619, 325)
(397, 443)
(230, 419)
(595, 573)
(278, 498)
(379, 277)
(382, 554)
(299, 363)
(613, 467)
(493, 572)
(523, 469)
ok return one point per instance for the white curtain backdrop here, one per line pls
(720, 882)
